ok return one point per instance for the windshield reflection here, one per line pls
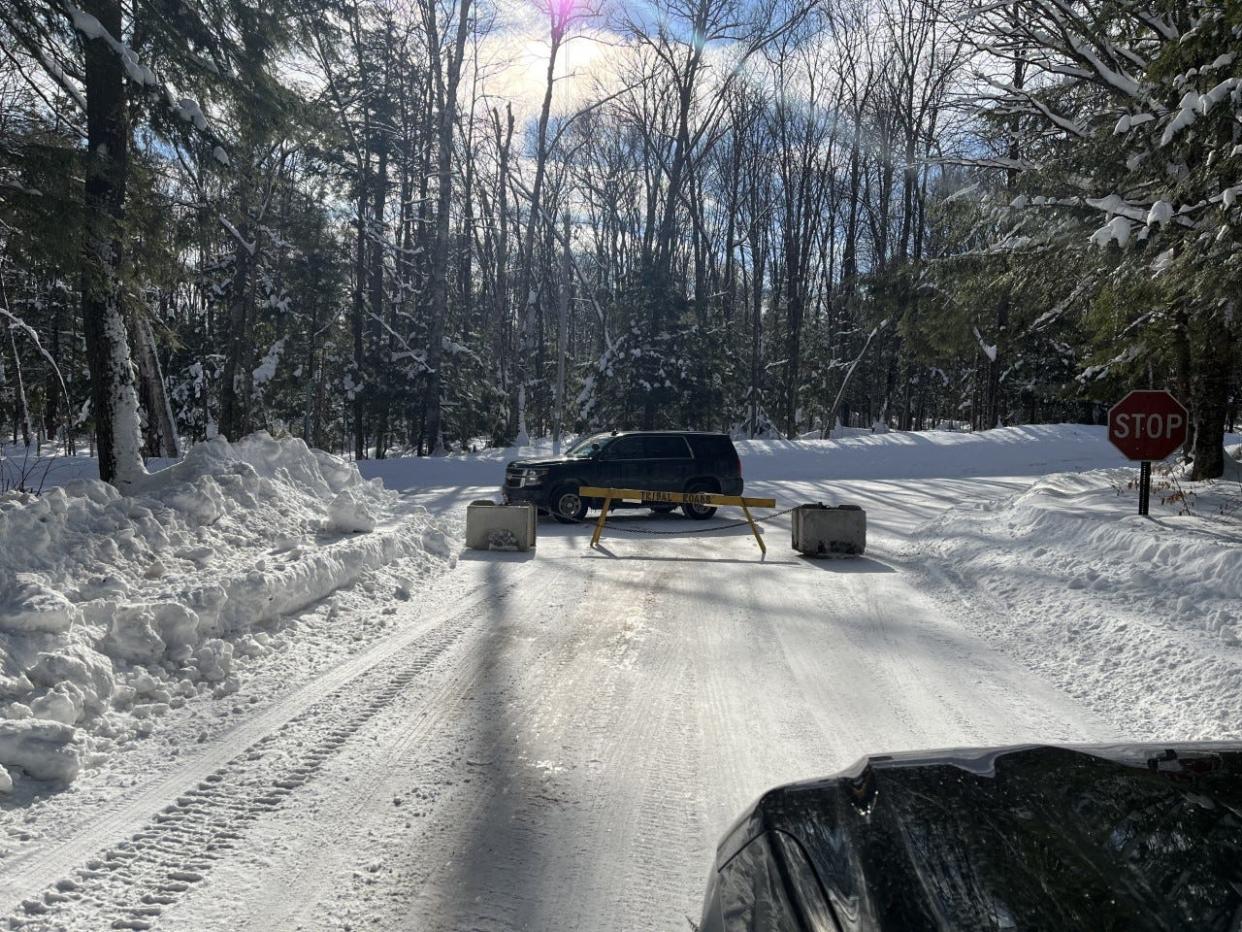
(587, 446)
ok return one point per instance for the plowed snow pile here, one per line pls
(1141, 617)
(114, 609)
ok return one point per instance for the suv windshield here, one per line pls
(587, 446)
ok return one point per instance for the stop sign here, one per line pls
(1147, 425)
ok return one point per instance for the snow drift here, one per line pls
(115, 608)
(1138, 616)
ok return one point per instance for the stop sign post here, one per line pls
(1147, 425)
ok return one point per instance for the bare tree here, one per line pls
(446, 74)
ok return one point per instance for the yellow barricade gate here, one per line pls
(673, 498)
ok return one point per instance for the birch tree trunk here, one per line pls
(161, 430)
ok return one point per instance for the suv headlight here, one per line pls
(534, 475)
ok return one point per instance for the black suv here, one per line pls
(659, 461)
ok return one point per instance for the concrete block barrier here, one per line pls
(500, 527)
(823, 531)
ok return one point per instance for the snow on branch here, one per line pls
(1185, 115)
(417, 355)
(989, 349)
(1128, 121)
(1114, 77)
(92, 28)
(1006, 164)
(185, 108)
(1116, 204)
(59, 76)
(1068, 124)
(241, 240)
(1118, 229)
(1158, 24)
(1095, 373)
(1158, 212)
(1081, 44)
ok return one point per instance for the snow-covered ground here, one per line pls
(118, 611)
(1141, 618)
(1042, 551)
(437, 739)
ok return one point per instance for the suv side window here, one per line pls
(716, 448)
(626, 448)
(666, 448)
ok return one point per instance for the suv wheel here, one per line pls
(568, 507)
(699, 512)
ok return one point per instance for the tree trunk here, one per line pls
(1210, 401)
(758, 258)
(379, 394)
(232, 408)
(161, 431)
(528, 293)
(358, 311)
(21, 414)
(562, 331)
(439, 265)
(504, 143)
(114, 400)
(1181, 365)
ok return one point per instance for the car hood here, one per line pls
(1034, 837)
(546, 461)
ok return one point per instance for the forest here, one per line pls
(412, 226)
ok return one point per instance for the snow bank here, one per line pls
(933, 454)
(1138, 616)
(861, 454)
(115, 608)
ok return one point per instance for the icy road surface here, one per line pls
(554, 741)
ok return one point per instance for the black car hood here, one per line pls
(1094, 838)
(546, 461)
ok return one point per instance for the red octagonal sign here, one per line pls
(1147, 425)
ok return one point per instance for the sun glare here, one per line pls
(519, 57)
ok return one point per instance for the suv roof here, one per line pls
(691, 433)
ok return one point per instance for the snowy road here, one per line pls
(555, 741)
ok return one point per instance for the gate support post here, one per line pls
(755, 530)
(599, 525)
